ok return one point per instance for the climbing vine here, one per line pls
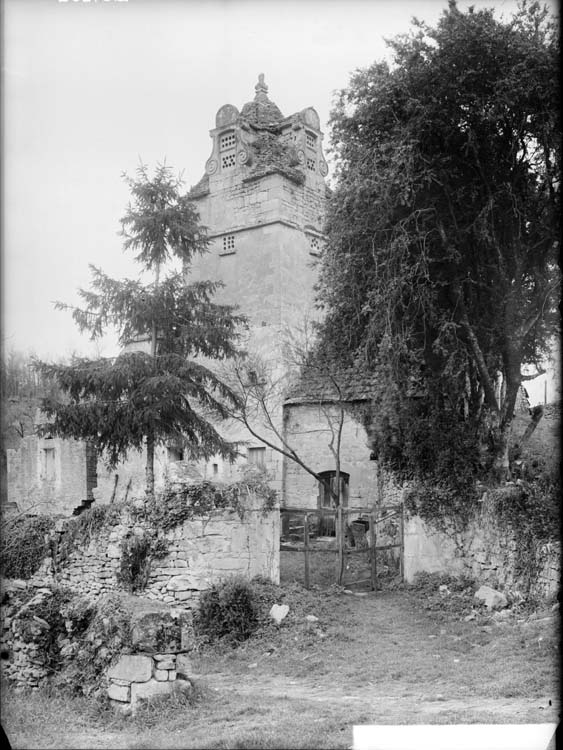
(25, 544)
(177, 504)
(531, 510)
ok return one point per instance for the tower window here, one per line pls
(227, 144)
(311, 165)
(228, 160)
(311, 140)
(227, 141)
(228, 244)
(314, 245)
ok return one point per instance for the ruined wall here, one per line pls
(48, 475)
(486, 551)
(307, 428)
(200, 552)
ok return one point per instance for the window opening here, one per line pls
(311, 140)
(227, 141)
(215, 469)
(330, 498)
(256, 456)
(228, 244)
(175, 453)
(314, 245)
(228, 160)
(311, 165)
(49, 469)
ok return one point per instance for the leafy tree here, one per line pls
(441, 268)
(21, 392)
(141, 397)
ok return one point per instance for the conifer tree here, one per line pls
(159, 387)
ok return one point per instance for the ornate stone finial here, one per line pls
(261, 88)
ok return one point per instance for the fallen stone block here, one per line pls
(184, 666)
(491, 597)
(132, 667)
(119, 692)
(278, 613)
(147, 690)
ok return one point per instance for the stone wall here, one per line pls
(200, 552)
(48, 475)
(307, 427)
(149, 656)
(485, 551)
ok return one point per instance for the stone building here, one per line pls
(263, 199)
(321, 410)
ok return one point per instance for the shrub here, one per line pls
(25, 545)
(229, 610)
(135, 562)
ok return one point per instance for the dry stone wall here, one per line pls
(200, 551)
(486, 551)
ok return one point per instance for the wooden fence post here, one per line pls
(341, 540)
(402, 550)
(373, 550)
(306, 547)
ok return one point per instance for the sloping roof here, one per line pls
(316, 385)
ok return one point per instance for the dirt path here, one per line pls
(386, 706)
(412, 667)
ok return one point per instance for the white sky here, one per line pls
(89, 87)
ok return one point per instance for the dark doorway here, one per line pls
(330, 497)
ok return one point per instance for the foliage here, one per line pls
(21, 392)
(228, 610)
(181, 502)
(454, 601)
(92, 649)
(531, 510)
(48, 622)
(137, 553)
(141, 398)
(135, 559)
(80, 530)
(441, 268)
(25, 544)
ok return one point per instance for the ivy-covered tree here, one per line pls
(441, 270)
(158, 388)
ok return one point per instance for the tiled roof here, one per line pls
(316, 385)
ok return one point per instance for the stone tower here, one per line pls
(262, 199)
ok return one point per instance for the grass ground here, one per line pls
(393, 657)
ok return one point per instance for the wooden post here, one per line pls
(306, 547)
(373, 559)
(402, 550)
(341, 540)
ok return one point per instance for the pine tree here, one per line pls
(159, 387)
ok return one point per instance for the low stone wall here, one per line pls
(155, 647)
(485, 551)
(137, 677)
(199, 552)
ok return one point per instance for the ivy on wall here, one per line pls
(30, 538)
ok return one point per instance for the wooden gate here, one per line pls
(366, 547)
